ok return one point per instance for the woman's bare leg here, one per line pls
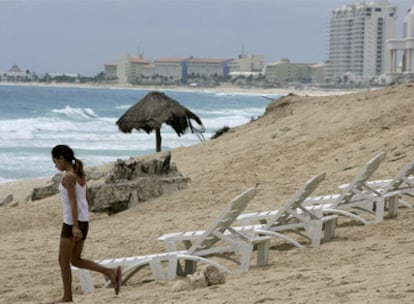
(77, 261)
(66, 247)
(70, 252)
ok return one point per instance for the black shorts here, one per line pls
(67, 230)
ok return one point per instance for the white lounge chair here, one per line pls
(215, 240)
(393, 189)
(356, 198)
(293, 217)
(223, 236)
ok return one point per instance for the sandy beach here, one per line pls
(294, 140)
(226, 89)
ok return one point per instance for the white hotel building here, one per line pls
(357, 35)
(402, 47)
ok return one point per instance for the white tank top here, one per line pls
(83, 210)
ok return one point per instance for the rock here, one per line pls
(14, 204)
(43, 192)
(50, 189)
(94, 173)
(116, 197)
(134, 181)
(209, 277)
(192, 281)
(134, 168)
(7, 200)
(214, 276)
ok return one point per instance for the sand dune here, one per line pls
(297, 137)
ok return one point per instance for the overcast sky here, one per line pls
(80, 36)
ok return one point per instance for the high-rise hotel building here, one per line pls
(357, 35)
(404, 46)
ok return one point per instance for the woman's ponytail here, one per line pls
(78, 166)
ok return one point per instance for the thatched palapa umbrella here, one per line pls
(155, 109)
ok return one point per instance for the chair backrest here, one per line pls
(293, 209)
(401, 178)
(223, 221)
(359, 182)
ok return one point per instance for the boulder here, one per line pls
(134, 181)
(115, 197)
(7, 200)
(133, 168)
(50, 189)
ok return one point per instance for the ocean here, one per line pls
(33, 119)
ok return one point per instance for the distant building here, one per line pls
(183, 70)
(248, 63)
(148, 72)
(357, 35)
(137, 68)
(110, 71)
(15, 74)
(208, 67)
(317, 72)
(173, 69)
(282, 72)
(69, 75)
(130, 69)
(405, 47)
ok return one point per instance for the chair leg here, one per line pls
(379, 212)
(157, 270)
(392, 206)
(172, 268)
(190, 267)
(85, 280)
(244, 251)
(263, 248)
(330, 227)
(316, 231)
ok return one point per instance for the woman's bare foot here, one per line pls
(115, 275)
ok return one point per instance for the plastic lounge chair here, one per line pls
(293, 217)
(356, 198)
(221, 234)
(215, 240)
(393, 189)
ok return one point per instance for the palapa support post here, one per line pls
(158, 139)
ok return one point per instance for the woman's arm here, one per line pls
(87, 196)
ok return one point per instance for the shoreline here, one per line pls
(225, 89)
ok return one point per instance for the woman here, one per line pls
(75, 204)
